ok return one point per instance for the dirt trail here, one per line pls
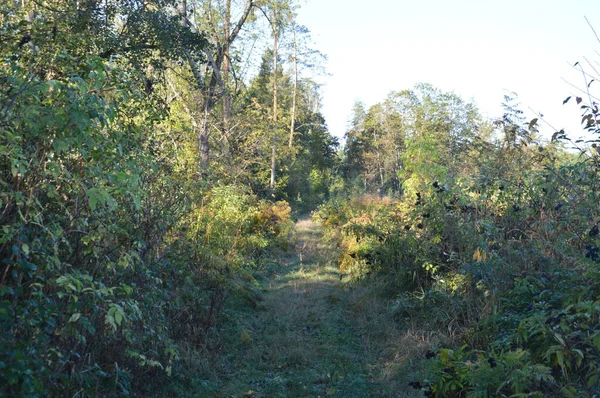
(302, 340)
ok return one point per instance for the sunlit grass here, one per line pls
(312, 334)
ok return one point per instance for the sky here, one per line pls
(480, 50)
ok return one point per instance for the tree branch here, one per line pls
(593, 30)
(242, 21)
(216, 69)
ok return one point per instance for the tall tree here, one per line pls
(295, 92)
(420, 134)
(212, 83)
(275, 27)
(279, 15)
(302, 57)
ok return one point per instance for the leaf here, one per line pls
(74, 318)
(477, 255)
(92, 201)
(596, 341)
(245, 337)
(127, 289)
(119, 315)
(566, 100)
(569, 392)
(114, 316)
(97, 195)
(122, 177)
(560, 359)
(137, 202)
(586, 117)
(60, 146)
(558, 135)
(578, 99)
(560, 339)
(27, 266)
(532, 123)
(110, 318)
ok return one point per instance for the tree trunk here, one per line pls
(208, 86)
(226, 66)
(275, 69)
(295, 89)
(203, 137)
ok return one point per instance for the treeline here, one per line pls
(144, 177)
(486, 238)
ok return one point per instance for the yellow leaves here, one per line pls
(430, 268)
(480, 255)
(245, 337)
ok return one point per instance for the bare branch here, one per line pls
(593, 30)
(238, 26)
(593, 68)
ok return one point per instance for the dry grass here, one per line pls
(394, 350)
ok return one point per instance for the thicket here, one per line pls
(135, 198)
(488, 238)
(118, 251)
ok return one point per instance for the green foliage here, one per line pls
(493, 243)
(115, 258)
(466, 372)
(312, 173)
(121, 242)
(410, 139)
(306, 168)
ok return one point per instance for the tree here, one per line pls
(303, 58)
(277, 12)
(212, 85)
(355, 147)
(422, 132)
(84, 185)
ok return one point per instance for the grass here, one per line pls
(311, 335)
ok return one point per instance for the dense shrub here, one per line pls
(114, 259)
(501, 261)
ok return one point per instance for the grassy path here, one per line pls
(301, 341)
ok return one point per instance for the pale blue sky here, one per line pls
(478, 49)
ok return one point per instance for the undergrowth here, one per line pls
(500, 265)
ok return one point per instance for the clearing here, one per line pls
(313, 335)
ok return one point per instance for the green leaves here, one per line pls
(99, 196)
(74, 318)
(114, 316)
(75, 175)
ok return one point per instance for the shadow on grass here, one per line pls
(312, 335)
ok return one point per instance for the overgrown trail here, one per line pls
(302, 340)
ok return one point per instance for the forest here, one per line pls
(176, 219)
